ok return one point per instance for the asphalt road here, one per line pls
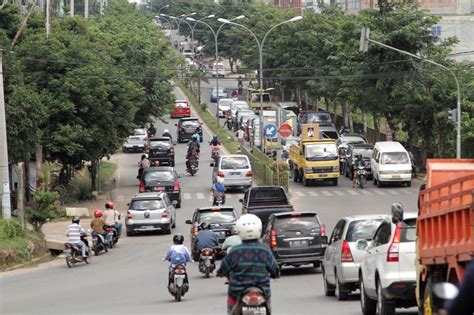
(132, 277)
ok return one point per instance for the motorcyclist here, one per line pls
(112, 217)
(97, 225)
(218, 188)
(151, 130)
(231, 241)
(144, 163)
(73, 233)
(250, 263)
(193, 151)
(359, 162)
(177, 254)
(215, 141)
(166, 133)
(205, 238)
(229, 119)
(250, 83)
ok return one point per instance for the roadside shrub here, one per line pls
(45, 209)
(10, 229)
(203, 106)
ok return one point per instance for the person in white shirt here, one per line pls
(73, 234)
(112, 217)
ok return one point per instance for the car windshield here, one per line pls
(181, 104)
(140, 132)
(218, 66)
(190, 123)
(362, 230)
(134, 139)
(366, 153)
(216, 217)
(235, 162)
(321, 152)
(312, 118)
(408, 230)
(394, 158)
(330, 135)
(141, 205)
(159, 143)
(256, 98)
(159, 176)
(297, 223)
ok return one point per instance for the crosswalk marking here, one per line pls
(313, 193)
(186, 196)
(379, 192)
(365, 192)
(407, 191)
(339, 193)
(326, 193)
(353, 192)
(200, 195)
(394, 192)
(299, 194)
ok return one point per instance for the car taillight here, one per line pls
(110, 230)
(220, 174)
(322, 230)
(141, 188)
(253, 298)
(176, 185)
(393, 250)
(346, 255)
(249, 174)
(165, 214)
(129, 215)
(207, 252)
(273, 239)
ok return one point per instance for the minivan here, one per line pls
(390, 163)
(235, 169)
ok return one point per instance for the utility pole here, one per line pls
(20, 171)
(48, 17)
(101, 7)
(86, 9)
(72, 7)
(4, 173)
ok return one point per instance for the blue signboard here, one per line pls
(270, 131)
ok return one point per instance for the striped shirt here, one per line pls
(248, 264)
(74, 233)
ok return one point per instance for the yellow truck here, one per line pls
(314, 159)
(253, 98)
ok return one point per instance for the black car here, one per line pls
(296, 238)
(186, 127)
(220, 219)
(161, 149)
(366, 151)
(162, 178)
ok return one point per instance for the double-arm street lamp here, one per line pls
(260, 45)
(181, 18)
(216, 35)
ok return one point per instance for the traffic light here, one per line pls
(453, 115)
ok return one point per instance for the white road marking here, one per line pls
(313, 193)
(353, 192)
(326, 193)
(394, 192)
(186, 196)
(407, 191)
(365, 192)
(200, 196)
(299, 194)
(379, 192)
(339, 193)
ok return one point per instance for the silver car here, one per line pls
(342, 258)
(235, 169)
(134, 144)
(224, 105)
(150, 211)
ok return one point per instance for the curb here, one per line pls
(34, 260)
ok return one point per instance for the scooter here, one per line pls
(360, 180)
(207, 262)
(73, 253)
(112, 236)
(179, 285)
(215, 152)
(98, 243)
(252, 301)
(193, 167)
(219, 198)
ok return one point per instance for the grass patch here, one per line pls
(106, 170)
(210, 120)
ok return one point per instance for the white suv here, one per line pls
(387, 274)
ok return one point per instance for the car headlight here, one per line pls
(308, 169)
(406, 172)
(335, 168)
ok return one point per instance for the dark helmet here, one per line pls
(178, 239)
(397, 212)
(204, 226)
(358, 156)
(214, 137)
(143, 156)
(76, 219)
(109, 205)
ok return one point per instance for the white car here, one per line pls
(224, 105)
(134, 144)
(140, 132)
(218, 70)
(342, 258)
(234, 169)
(387, 275)
(238, 105)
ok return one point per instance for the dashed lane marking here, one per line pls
(339, 193)
(299, 194)
(186, 196)
(200, 196)
(353, 192)
(313, 193)
(326, 193)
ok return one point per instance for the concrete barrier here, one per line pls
(80, 212)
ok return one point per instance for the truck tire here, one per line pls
(306, 182)
(427, 306)
(295, 175)
(334, 181)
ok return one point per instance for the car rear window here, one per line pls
(190, 123)
(366, 153)
(318, 117)
(142, 205)
(300, 223)
(156, 143)
(134, 139)
(216, 217)
(362, 230)
(181, 104)
(408, 230)
(230, 163)
(159, 176)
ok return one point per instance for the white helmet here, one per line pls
(166, 131)
(249, 227)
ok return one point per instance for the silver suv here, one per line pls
(150, 211)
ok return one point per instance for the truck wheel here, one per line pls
(427, 307)
(295, 176)
(305, 180)
(334, 181)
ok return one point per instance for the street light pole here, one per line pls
(364, 47)
(4, 173)
(260, 51)
(196, 23)
(163, 7)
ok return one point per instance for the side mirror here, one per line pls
(188, 222)
(212, 164)
(324, 240)
(362, 245)
(241, 200)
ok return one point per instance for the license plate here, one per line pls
(323, 175)
(234, 173)
(220, 233)
(362, 172)
(299, 243)
(67, 251)
(395, 176)
(254, 310)
(147, 227)
(159, 188)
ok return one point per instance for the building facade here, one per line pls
(288, 4)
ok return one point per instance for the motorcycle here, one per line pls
(252, 301)
(215, 152)
(219, 198)
(193, 167)
(229, 122)
(360, 180)
(73, 253)
(112, 236)
(98, 244)
(179, 285)
(207, 262)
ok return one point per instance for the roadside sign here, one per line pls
(270, 131)
(285, 130)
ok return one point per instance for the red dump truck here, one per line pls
(445, 226)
